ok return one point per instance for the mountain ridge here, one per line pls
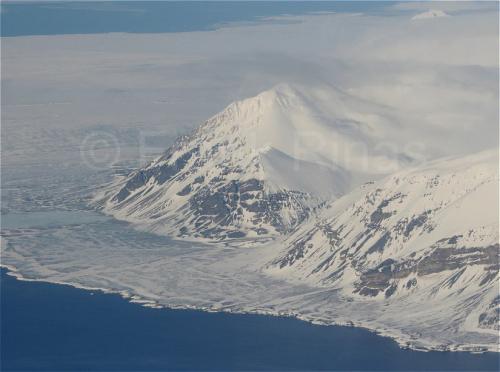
(424, 237)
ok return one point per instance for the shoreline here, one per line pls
(404, 343)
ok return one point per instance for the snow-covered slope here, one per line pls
(430, 14)
(256, 169)
(424, 240)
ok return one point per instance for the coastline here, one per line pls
(404, 342)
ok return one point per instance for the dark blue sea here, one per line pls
(56, 327)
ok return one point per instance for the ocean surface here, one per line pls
(57, 327)
(46, 18)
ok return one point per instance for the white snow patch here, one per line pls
(430, 14)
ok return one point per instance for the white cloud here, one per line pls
(447, 5)
(441, 76)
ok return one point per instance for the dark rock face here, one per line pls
(415, 222)
(379, 214)
(490, 319)
(453, 258)
(411, 283)
(206, 203)
(199, 179)
(225, 205)
(379, 278)
(441, 258)
(185, 191)
(159, 174)
(297, 250)
(380, 244)
(235, 234)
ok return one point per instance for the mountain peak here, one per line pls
(281, 96)
(240, 174)
(259, 167)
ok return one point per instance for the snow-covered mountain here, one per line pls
(425, 239)
(257, 169)
(287, 163)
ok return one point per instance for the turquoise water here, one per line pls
(57, 327)
(44, 219)
(44, 18)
